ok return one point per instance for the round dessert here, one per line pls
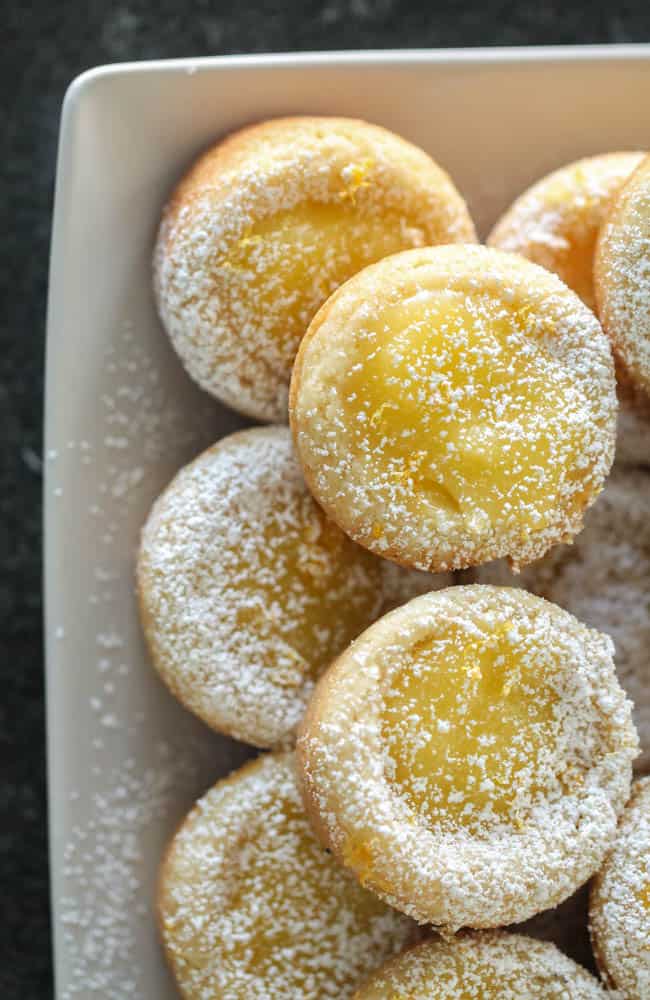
(556, 222)
(603, 578)
(468, 756)
(266, 224)
(620, 903)
(495, 966)
(247, 591)
(252, 908)
(401, 584)
(622, 277)
(452, 403)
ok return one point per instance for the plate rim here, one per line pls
(369, 57)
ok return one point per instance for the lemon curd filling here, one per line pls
(470, 725)
(254, 906)
(268, 867)
(296, 591)
(462, 413)
(287, 264)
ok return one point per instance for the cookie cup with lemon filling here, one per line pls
(469, 755)
(452, 404)
(482, 966)
(267, 223)
(251, 907)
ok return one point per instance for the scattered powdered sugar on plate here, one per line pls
(143, 425)
(110, 862)
(103, 862)
(138, 760)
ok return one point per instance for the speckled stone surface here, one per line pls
(46, 45)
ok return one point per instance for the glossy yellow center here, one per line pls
(283, 903)
(287, 873)
(285, 266)
(304, 589)
(469, 723)
(462, 412)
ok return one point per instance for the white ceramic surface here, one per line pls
(125, 761)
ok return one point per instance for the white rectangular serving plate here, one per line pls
(125, 761)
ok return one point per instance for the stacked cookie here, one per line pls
(464, 748)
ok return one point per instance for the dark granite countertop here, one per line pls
(48, 45)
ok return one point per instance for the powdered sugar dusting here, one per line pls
(422, 459)
(251, 905)
(620, 902)
(603, 578)
(143, 761)
(267, 224)
(515, 835)
(480, 967)
(623, 276)
(247, 590)
(555, 223)
(104, 863)
(139, 418)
